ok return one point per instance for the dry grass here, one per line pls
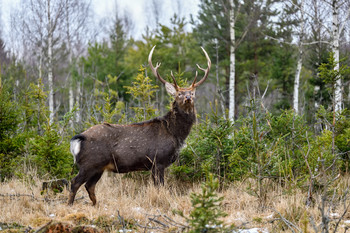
(138, 200)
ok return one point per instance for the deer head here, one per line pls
(184, 96)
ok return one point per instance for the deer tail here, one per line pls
(75, 145)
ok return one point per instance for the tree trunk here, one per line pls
(69, 78)
(335, 49)
(218, 90)
(78, 94)
(232, 64)
(300, 61)
(297, 83)
(50, 72)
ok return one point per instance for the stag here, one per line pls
(149, 145)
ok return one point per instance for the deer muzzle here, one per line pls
(188, 99)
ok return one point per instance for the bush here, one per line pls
(207, 150)
(10, 145)
(206, 209)
(293, 133)
(50, 153)
(26, 138)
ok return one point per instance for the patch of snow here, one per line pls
(213, 226)
(138, 209)
(269, 216)
(334, 215)
(347, 221)
(52, 215)
(252, 230)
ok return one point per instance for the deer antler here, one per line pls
(155, 70)
(206, 71)
(175, 84)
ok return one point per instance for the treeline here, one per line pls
(63, 81)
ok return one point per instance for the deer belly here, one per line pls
(123, 163)
(139, 160)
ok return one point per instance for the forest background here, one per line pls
(274, 108)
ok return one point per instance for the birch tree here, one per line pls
(38, 24)
(335, 48)
(49, 55)
(77, 17)
(318, 28)
(329, 29)
(53, 33)
(232, 63)
(337, 30)
(217, 22)
(300, 59)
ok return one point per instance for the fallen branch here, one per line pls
(290, 225)
(43, 227)
(163, 222)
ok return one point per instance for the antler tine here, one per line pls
(175, 84)
(206, 71)
(155, 70)
(195, 79)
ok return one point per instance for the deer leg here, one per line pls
(90, 186)
(158, 175)
(77, 181)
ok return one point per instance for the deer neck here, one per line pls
(180, 122)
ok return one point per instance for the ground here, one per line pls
(136, 205)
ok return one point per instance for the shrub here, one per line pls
(206, 209)
(10, 145)
(207, 150)
(50, 153)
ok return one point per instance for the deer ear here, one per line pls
(170, 89)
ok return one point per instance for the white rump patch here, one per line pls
(75, 147)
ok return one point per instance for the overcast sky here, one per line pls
(140, 11)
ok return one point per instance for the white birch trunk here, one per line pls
(300, 61)
(217, 87)
(41, 64)
(335, 49)
(297, 83)
(232, 64)
(50, 72)
(69, 78)
(78, 94)
(71, 99)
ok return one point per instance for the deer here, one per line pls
(151, 145)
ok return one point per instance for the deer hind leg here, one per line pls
(77, 181)
(158, 175)
(90, 186)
